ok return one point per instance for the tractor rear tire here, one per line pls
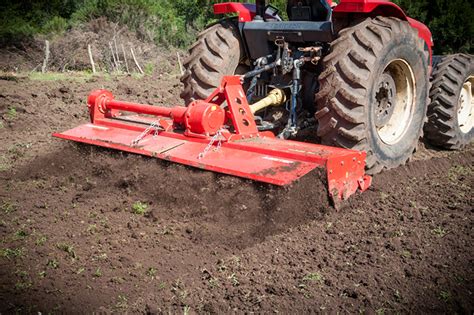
(217, 52)
(451, 112)
(373, 92)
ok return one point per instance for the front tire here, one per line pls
(374, 92)
(451, 112)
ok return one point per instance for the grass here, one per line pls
(8, 207)
(20, 234)
(458, 170)
(233, 279)
(151, 272)
(97, 273)
(445, 296)
(439, 231)
(11, 253)
(139, 208)
(11, 113)
(80, 76)
(122, 302)
(313, 277)
(68, 249)
(53, 264)
(40, 241)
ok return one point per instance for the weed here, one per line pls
(20, 234)
(213, 283)
(23, 285)
(98, 273)
(458, 170)
(80, 76)
(167, 230)
(42, 274)
(11, 253)
(11, 113)
(398, 296)
(68, 249)
(186, 310)
(406, 254)
(380, 311)
(233, 279)
(80, 270)
(117, 280)
(8, 207)
(149, 68)
(445, 296)
(178, 289)
(122, 302)
(314, 277)
(53, 263)
(139, 208)
(40, 241)
(151, 272)
(1, 125)
(439, 231)
(161, 286)
(92, 229)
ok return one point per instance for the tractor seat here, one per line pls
(309, 10)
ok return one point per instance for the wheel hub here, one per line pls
(385, 98)
(466, 106)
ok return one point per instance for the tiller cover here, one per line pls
(219, 138)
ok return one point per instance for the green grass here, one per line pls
(20, 234)
(313, 277)
(139, 208)
(40, 241)
(68, 249)
(8, 207)
(11, 253)
(98, 273)
(151, 272)
(53, 264)
(439, 231)
(80, 76)
(445, 296)
(11, 113)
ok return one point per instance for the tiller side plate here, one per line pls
(199, 135)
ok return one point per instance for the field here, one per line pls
(85, 229)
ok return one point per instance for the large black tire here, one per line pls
(217, 52)
(450, 122)
(367, 63)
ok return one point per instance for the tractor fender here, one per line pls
(245, 11)
(384, 8)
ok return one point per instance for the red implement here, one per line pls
(222, 139)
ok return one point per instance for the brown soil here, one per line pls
(70, 241)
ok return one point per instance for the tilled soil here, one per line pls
(73, 238)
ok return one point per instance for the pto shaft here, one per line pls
(199, 118)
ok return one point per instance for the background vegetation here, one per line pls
(176, 22)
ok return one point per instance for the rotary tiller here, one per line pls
(211, 136)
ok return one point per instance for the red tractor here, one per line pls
(359, 71)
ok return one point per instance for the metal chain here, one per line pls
(217, 136)
(154, 125)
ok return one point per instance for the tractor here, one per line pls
(356, 73)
